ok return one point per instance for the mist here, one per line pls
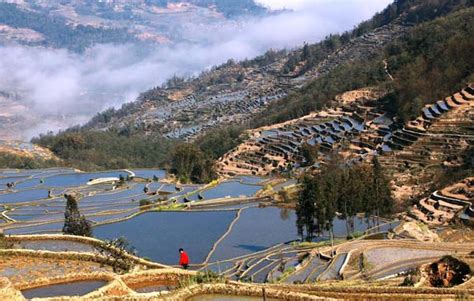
(61, 88)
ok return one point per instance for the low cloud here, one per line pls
(62, 88)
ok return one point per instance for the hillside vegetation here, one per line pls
(90, 150)
(432, 60)
(57, 32)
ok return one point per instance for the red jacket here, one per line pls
(183, 259)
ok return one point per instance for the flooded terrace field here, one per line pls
(33, 200)
(159, 235)
(78, 288)
(153, 215)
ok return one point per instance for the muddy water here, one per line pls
(150, 287)
(78, 288)
(227, 298)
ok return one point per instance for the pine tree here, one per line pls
(75, 223)
(306, 52)
(305, 209)
(381, 188)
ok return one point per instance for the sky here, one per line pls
(63, 88)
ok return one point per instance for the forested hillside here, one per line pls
(56, 31)
(432, 60)
(429, 58)
(230, 8)
(77, 25)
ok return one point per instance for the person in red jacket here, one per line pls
(183, 259)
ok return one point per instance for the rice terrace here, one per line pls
(237, 150)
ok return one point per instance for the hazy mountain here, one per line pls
(68, 60)
(76, 25)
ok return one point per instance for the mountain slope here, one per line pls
(384, 52)
(236, 92)
(77, 25)
(424, 137)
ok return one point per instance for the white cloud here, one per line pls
(304, 4)
(60, 83)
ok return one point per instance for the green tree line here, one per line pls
(57, 32)
(344, 190)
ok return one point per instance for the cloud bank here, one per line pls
(62, 88)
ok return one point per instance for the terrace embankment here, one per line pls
(236, 92)
(116, 286)
(442, 206)
(357, 127)
(65, 267)
(355, 115)
(25, 149)
(85, 256)
(326, 291)
(376, 259)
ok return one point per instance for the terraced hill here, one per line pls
(23, 149)
(235, 92)
(445, 205)
(357, 129)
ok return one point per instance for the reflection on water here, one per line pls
(149, 173)
(159, 235)
(257, 229)
(230, 189)
(78, 288)
(24, 196)
(79, 179)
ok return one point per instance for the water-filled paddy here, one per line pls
(23, 196)
(261, 228)
(78, 288)
(37, 217)
(79, 179)
(230, 189)
(149, 173)
(257, 229)
(250, 179)
(159, 235)
(110, 217)
(4, 181)
(35, 229)
(156, 235)
(56, 245)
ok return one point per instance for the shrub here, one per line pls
(207, 276)
(115, 251)
(145, 202)
(412, 277)
(74, 222)
(4, 244)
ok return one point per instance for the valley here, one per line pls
(338, 170)
(244, 240)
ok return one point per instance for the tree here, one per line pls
(75, 223)
(117, 253)
(346, 189)
(306, 53)
(189, 163)
(305, 209)
(309, 153)
(381, 188)
(351, 194)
